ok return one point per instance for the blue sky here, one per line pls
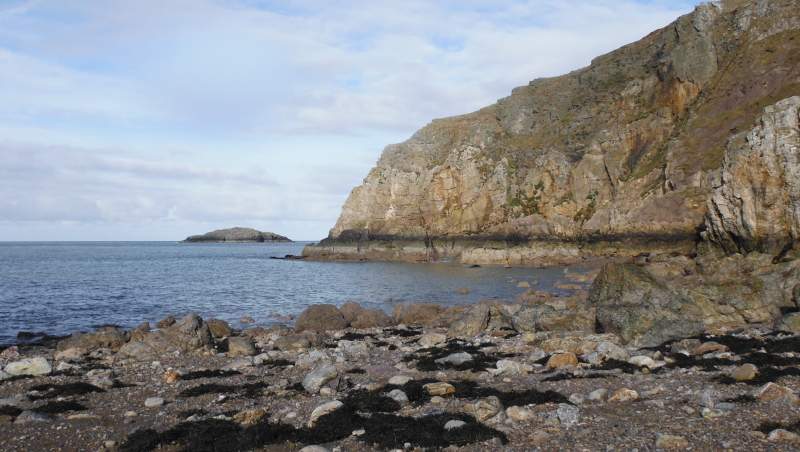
(155, 120)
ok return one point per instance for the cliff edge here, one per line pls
(687, 136)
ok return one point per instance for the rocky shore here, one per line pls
(529, 375)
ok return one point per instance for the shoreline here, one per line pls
(514, 391)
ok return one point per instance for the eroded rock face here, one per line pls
(623, 152)
(755, 206)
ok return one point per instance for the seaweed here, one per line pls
(280, 362)
(411, 332)
(613, 364)
(356, 371)
(63, 390)
(370, 401)
(59, 407)
(744, 398)
(191, 412)
(769, 426)
(209, 374)
(471, 390)
(389, 431)
(351, 336)
(570, 376)
(296, 387)
(426, 357)
(7, 410)
(249, 390)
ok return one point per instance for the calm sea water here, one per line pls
(62, 287)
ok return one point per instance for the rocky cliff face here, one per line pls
(641, 151)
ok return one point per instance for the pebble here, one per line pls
(455, 358)
(399, 380)
(399, 396)
(745, 372)
(599, 395)
(569, 415)
(153, 402)
(624, 395)
(490, 411)
(439, 389)
(540, 438)
(314, 448)
(672, 442)
(713, 413)
(519, 414)
(643, 361)
(454, 424)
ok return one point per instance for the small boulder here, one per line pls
(672, 442)
(432, 339)
(490, 411)
(562, 360)
(771, 391)
(153, 402)
(439, 388)
(292, 343)
(317, 378)
(323, 410)
(350, 311)
(166, 322)
(238, 346)
(624, 395)
(372, 318)
(36, 366)
(745, 372)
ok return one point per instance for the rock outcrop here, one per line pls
(642, 151)
(236, 235)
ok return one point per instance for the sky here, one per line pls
(160, 119)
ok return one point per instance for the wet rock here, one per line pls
(624, 395)
(439, 388)
(745, 372)
(166, 322)
(672, 442)
(372, 318)
(153, 402)
(238, 346)
(36, 366)
(318, 377)
(323, 410)
(219, 328)
(771, 391)
(562, 360)
(568, 415)
(320, 317)
(432, 339)
(490, 411)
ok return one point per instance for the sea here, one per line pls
(58, 288)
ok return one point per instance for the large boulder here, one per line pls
(36, 366)
(542, 317)
(422, 314)
(190, 335)
(630, 301)
(350, 311)
(219, 328)
(103, 338)
(482, 317)
(372, 318)
(320, 317)
(238, 346)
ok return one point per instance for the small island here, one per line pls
(236, 235)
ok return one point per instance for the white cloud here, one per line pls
(157, 112)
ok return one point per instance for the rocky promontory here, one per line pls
(236, 235)
(684, 138)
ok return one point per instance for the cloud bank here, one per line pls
(179, 115)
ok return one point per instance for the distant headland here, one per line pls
(236, 235)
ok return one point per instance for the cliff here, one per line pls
(236, 235)
(652, 147)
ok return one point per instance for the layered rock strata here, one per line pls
(640, 152)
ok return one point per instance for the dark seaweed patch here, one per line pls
(411, 332)
(196, 375)
(296, 387)
(744, 398)
(278, 363)
(191, 412)
(769, 426)
(426, 357)
(383, 430)
(471, 390)
(12, 411)
(59, 407)
(351, 336)
(356, 371)
(249, 390)
(52, 391)
(613, 364)
(570, 376)
(370, 402)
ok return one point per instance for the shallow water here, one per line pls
(62, 287)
